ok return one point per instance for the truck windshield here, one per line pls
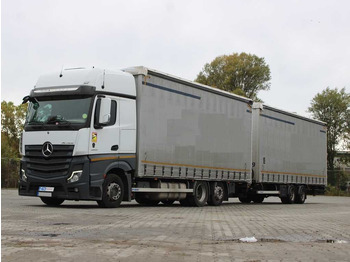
(72, 113)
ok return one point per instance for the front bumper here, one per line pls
(80, 190)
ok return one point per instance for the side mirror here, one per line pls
(25, 99)
(105, 111)
(31, 99)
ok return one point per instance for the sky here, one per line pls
(305, 43)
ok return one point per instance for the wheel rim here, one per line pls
(218, 193)
(114, 191)
(302, 196)
(200, 193)
(292, 194)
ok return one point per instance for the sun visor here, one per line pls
(82, 91)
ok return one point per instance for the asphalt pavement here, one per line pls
(318, 230)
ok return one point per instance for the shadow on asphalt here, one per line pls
(95, 206)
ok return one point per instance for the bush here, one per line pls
(333, 191)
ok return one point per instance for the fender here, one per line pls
(127, 179)
(123, 165)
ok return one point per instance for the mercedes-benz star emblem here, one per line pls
(47, 149)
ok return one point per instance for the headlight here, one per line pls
(75, 176)
(23, 175)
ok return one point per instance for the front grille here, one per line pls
(55, 165)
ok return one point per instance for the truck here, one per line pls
(138, 133)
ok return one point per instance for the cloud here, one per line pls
(305, 43)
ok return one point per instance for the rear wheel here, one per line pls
(200, 194)
(113, 192)
(54, 202)
(300, 195)
(216, 194)
(290, 197)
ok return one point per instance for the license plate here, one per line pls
(44, 194)
(46, 189)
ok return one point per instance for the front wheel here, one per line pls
(113, 192)
(53, 202)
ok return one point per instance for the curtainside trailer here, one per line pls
(114, 136)
(289, 155)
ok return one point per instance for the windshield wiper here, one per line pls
(35, 123)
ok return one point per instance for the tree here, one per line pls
(347, 134)
(12, 120)
(243, 74)
(333, 107)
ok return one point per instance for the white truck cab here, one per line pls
(77, 119)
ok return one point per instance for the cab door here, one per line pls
(105, 139)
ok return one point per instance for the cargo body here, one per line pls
(189, 131)
(141, 134)
(288, 148)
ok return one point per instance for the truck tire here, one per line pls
(217, 192)
(258, 199)
(200, 194)
(113, 192)
(300, 195)
(53, 202)
(290, 198)
(142, 200)
(245, 200)
(168, 202)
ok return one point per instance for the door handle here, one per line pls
(115, 148)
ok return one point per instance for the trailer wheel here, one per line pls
(290, 198)
(113, 192)
(168, 202)
(258, 199)
(245, 200)
(216, 194)
(53, 202)
(142, 200)
(300, 195)
(200, 194)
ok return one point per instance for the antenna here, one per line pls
(61, 71)
(103, 80)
